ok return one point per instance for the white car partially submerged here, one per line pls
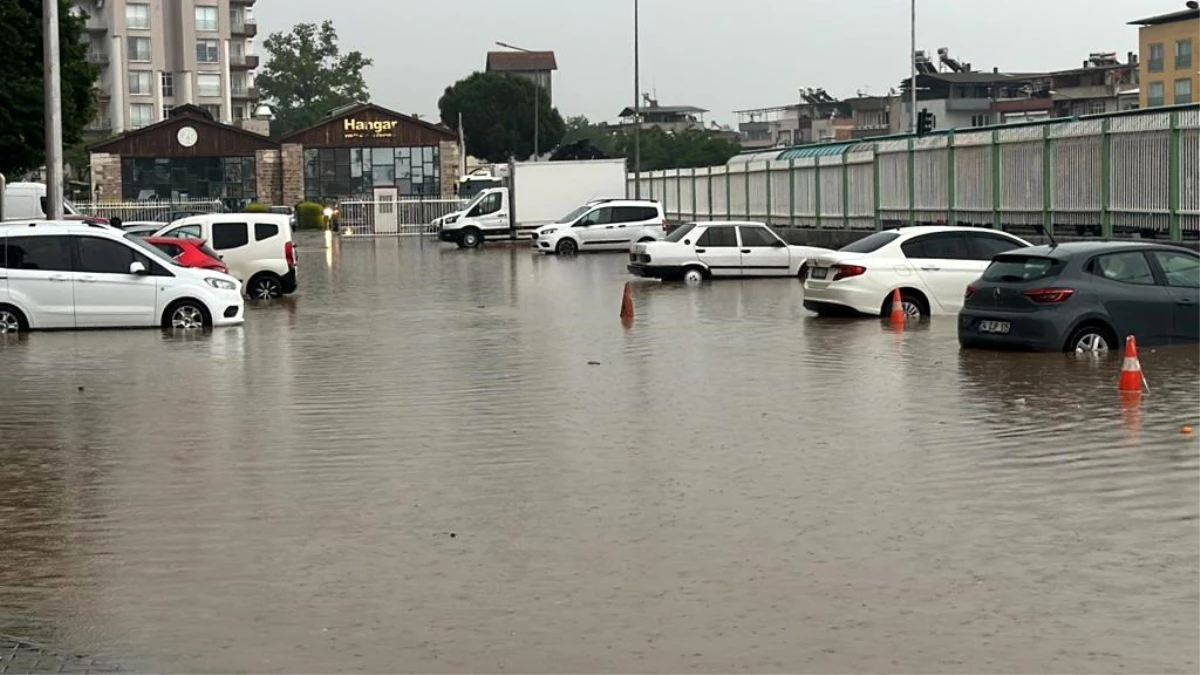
(698, 251)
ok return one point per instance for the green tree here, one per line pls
(680, 150)
(307, 76)
(603, 136)
(498, 116)
(22, 95)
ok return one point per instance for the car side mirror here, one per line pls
(115, 222)
(137, 268)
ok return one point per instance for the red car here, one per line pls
(189, 252)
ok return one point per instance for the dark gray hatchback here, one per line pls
(1084, 296)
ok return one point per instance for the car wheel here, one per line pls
(692, 275)
(566, 246)
(186, 315)
(265, 287)
(915, 307)
(1090, 340)
(12, 321)
(471, 238)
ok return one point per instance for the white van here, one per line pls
(257, 248)
(27, 201)
(65, 274)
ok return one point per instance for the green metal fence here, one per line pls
(1130, 174)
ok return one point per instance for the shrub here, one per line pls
(310, 216)
(256, 207)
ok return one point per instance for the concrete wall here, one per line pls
(448, 159)
(269, 175)
(293, 173)
(106, 177)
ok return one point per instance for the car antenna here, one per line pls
(1048, 234)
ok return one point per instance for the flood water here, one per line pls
(434, 460)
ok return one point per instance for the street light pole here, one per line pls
(637, 108)
(912, 59)
(52, 78)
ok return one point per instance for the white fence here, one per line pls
(401, 217)
(163, 211)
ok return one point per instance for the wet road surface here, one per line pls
(444, 461)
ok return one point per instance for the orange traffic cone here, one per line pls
(1131, 379)
(897, 318)
(627, 303)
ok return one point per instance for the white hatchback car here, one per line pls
(931, 265)
(698, 251)
(603, 225)
(68, 274)
(257, 247)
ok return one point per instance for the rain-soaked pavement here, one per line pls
(439, 460)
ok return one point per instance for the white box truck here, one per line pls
(538, 193)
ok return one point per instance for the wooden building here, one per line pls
(362, 151)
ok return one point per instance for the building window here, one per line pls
(356, 172)
(139, 49)
(1183, 53)
(1183, 91)
(206, 19)
(208, 51)
(141, 115)
(232, 178)
(1155, 62)
(1154, 94)
(140, 82)
(168, 84)
(980, 120)
(208, 84)
(166, 111)
(1097, 108)
(214, 110)
(237, 84)
(239, 112)
(137, 15)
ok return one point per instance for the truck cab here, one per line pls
(486, 215)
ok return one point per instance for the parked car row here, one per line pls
(192, 274)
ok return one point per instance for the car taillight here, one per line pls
(289, 252)
(969, 292)
(664, 222)
(1049, 296)
(847, 271)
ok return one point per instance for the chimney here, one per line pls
(996, 70)
(1133, 58)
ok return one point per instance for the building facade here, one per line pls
(155, 55)
(362, 152)
(536, 66)
(1169, 68)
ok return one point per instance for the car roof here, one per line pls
(716, 223)
(16, 228)
(915, 230)
(1076, 248)
(236, 217)
(621, 201)
(179, 241)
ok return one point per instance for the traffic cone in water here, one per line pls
(1131, 380)
(627, 303)
(897, 318)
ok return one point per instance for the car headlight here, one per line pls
(221, 284)
(547, 233)
(451, 219)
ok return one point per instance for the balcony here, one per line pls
(244, 93)
(97, 58)
(246, 29)
(243, 61)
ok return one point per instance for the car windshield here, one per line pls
(150, 250)
(1017, 268)
(570, 217)
(682, 232)
(870, 243)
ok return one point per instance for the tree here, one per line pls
(498, 116)
(22, 96)
(660, 150)
(307, 76)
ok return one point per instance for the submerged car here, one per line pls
(603, 225)
(698, 251)
(1084, 297)
(931, 266)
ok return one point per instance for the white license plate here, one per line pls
(820, 272)
(998, 327)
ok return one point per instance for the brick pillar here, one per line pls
(269, 175)
(106, 177)
(449, 166)
(293, 173)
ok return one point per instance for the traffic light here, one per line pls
(925, 122)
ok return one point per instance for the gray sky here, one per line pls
(722, 55)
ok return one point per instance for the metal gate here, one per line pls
(388, 216)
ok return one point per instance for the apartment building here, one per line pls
(155, 55)
(1170, 70)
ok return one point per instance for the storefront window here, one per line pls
(353, 173)
(231, 178)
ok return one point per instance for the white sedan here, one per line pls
(932, 266)
(698, 251)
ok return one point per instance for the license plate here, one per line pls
(820, 272)
(999, 327)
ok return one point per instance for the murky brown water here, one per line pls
(737, 486)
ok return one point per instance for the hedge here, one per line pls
(310, 216)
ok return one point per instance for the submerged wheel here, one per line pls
(265, 287)
(186, 315)
(566, 246)
(915, 307)
(11, 321)
(693, 275)
(1090, 340)
(470, 238)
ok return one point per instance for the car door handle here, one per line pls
(745, 250)
(620, 226)
(1185, 301)
(701, 250)
(930, 268)
(87, 280)
(608, 227)
(58, 277)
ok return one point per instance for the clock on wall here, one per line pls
(187, 137)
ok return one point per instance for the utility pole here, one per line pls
(637, 108)
(912, 58)
(53, 82)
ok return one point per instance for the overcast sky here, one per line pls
(722, 55)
